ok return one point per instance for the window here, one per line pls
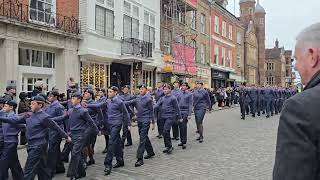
(203, 53)
(203, 23)
(224, 29)
(181, 39)
(42, 11)
(108, 3)
(146, 18)
(149, 19)
(135, 11)
(250, 11)
(104, 21)
(149, 34)
(194, 45)
(36, 58)
(127, 8)
(230, 31)
(287, 72)
(167, 37)
(223, 56)
(238, 60)
(181, 18)
(30, 81)
(130, 27)
(216, 24)
(270, 80)
(216, 54)
(261, 20)
(239, 38)
(193, 19)
(270, 66)
(152, 20)
(230, 59)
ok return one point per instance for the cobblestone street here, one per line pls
(233, 149)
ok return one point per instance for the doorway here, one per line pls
(120, 75)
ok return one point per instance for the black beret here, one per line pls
(54, 93)
(77, 95)
(38, 98)
(89, 91)
(2, 100)
(126, 86)
(12, 103)
(10, 87)
(114, 88)
(168, 86)
(176, 82)
(142, 86)
(199, 82)
(185, 84)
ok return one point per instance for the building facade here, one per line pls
(276, 66)
(224, 46)
(252, 16)
(290, 75)
(120, 43)
(38, 41)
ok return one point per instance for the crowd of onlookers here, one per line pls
(224, 97)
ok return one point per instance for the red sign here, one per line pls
(184, 59)
(192, 2)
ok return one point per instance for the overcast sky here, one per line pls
(285, 19)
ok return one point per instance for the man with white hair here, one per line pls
(38, 88)
(298, 144)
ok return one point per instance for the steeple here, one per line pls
(259, 8)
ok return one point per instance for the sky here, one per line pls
(285, 19)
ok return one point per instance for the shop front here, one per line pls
(219, 78)
(203, 74)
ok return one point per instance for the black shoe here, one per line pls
(149, 156)
(271, 114)
(90, 162)
(165, 150)
(170, 150)
(73, 178)
(253, 115)
(105, 151)
(276, 113)
(159, 136)
(138, 163)
(198, 139)
(184, 146)
(197, 131)
(173, 138)
(118, 164)
(107, 171)
(243, 118)
(177, 139)
(259, 114)
(61, 170)
(247, 114)
(82, 175)
(201, 140)
(65, 160)
(263, 112)
(180, 144)
(268, 116)
(128, 144)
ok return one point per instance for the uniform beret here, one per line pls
(38, 98)
(12, 103)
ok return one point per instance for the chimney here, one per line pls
(277, 43)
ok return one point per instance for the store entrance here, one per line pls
(120, 75)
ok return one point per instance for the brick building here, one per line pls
(290, 75)
(275, 66)
(38, 41)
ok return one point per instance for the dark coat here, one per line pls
(298, 144)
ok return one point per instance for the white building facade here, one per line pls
(121, 42)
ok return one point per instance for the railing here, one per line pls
(15, 11)
(136, 47)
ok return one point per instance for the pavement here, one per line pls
(233, 149)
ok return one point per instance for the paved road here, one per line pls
(233, 149)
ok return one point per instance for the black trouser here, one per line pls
(175, 129)
(66, 151)
(183, 129)
(1, 146)
(36, 163)
(76, 167)
(253, 104)
(160, 124)
(243, 106)
(145, 143)
(54, 153)
(9, 160)
(115, 146)
(166, 131)
(23, 138)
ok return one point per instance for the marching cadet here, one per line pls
(262, 104)
(79, 121)
(88, 98)
(185, 105)
(117, 117)
(201, 102)
(105, 128)
(243, 96)
(175, 127)
(9, 158)
(126, 96)
(168, 110)
(2, 101)
(268, 96)
(144, 105)
(254, 98)
(55, 109)
(158, 94)
(37, 124)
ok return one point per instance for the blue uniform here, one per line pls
(254, 98)
(37, 132)
(9, 158)
(55, 164)
(185, 102)
(175, 127)
(269, 98)
(127, 97)
(144, 107)
(168, 110)
(158, 94)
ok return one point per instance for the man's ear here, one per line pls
(315, 59)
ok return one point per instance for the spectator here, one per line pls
(24, 106)
(10, 93)
(38, 88)
(70, 85)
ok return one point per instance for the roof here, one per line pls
(288, 53)
(243, 1)
(259, 8)
(273, 53)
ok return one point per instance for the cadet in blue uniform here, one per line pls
(168, 110)
(144, 105)
(37, 124)
(105, 128)
(157, 95)
(243, 100)
(175, 127)
(79, 120)
(2, 101)
(254, 98)
(185, 105)
(126, 96)
(268, 96)
(201, 102)
(55, 109)
(9, 158)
